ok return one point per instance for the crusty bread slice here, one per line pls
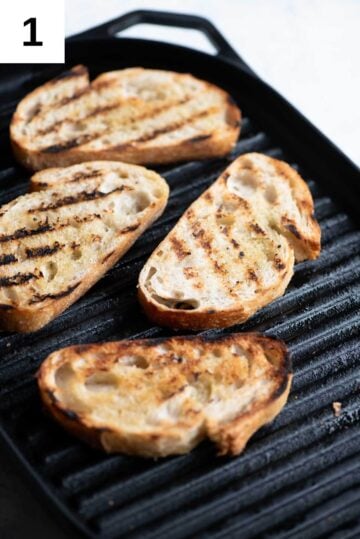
(135, 115)
(56, 243)
(233, 250)
(162, 397)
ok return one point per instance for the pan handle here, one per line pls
(109, 29)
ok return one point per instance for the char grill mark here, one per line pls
(77, 177)
(7, 259)
(78, 141)
(162, 108)
(257, 229)
(57, 148)
(220, 268)
(69, 74)
(252, 275)
(205, 240)
(85, 175)
(199, 138)
(166, 129)
(292, 228)
(35, 252)
(74, 97)
(179, 247)
(65, 101)
(80, 220)
(242, 203)
(46, 250)
(17, 279)
(130, 228)
(279, 264)
(24, 233)
(107, 257)
(84, 196)
(38, 298)
(100, 110)
(191, 273)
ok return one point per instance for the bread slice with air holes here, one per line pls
(233, 250)
(136, 115)
(161, 397)
(56, 243)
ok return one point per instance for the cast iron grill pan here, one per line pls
(299, 476)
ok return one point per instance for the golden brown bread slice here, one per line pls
(135, 115)
(233, 250)
(162, 397)
(56, 243)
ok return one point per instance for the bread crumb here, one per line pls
(337, 408)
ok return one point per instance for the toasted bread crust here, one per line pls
(20, 312)
(228, 243)
(219, 146)
(216, 141)
(211, 318)
(165, 438)
(27, 320)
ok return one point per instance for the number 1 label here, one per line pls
(32, 42)
(32, 32)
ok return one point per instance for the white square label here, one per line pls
(32, 32)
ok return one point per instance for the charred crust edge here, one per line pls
(199, 138)
(107, 257)
(69, 414)
(38, 298)
(51, 396)
(77, 71)
(130, 228)
(5, 307)
(284, 374)
(292, 228)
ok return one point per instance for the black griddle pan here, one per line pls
(299, 476)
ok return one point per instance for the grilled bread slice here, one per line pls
(56, 243)
(233, 250)
(135, 115)
(162, 397)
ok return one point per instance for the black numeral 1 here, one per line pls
(32, 42)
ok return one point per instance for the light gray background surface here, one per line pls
(307, 49)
